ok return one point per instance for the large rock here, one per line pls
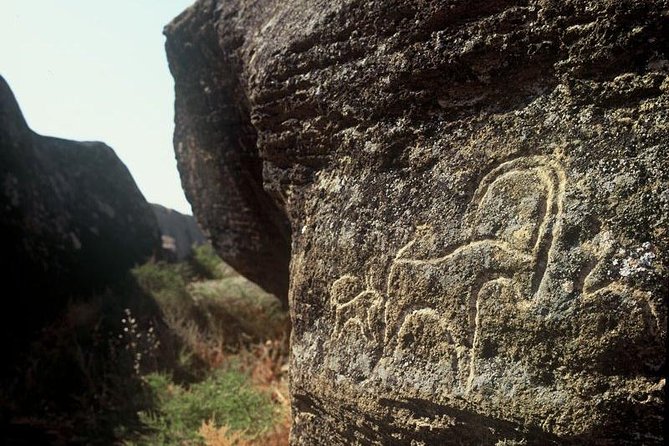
(72, 223)
(179, 232)
(478, 194)
(221, 171)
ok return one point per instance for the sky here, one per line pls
(94, 70)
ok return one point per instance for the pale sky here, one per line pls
(96, 70)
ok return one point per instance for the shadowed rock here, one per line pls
(179, 232)
(72, 222)
(478, 200)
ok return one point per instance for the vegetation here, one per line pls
(229, 384)
(183, 354)
(225, 398)
(211, 317)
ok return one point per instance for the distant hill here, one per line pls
(179, 232)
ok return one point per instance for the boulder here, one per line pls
(179, 232)
(72, 223)
(478, 202)
(221, 170)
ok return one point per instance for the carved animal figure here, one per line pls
(362, 311)
(508, 233)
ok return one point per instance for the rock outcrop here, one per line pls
(478, 197)
(72, 222)
(179, 232)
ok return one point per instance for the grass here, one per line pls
(248, 310)
(233, 338)
(208, 265)
(212, 317)
(225, 399)
(187, 354)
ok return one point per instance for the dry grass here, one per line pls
(223, 436)
(214, 319)
(266, 365)
(208, 367)
(222, 321)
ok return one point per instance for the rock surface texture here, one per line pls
(478, 197)
(179, 232)
(72, 222)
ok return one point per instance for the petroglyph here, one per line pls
(452, 160)
(520, 201)
(426, 337)
(492, 287)
(508, 230)
(594, 276)
(361, 311)
(507, 241)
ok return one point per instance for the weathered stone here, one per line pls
(478, 196)
(72, 222)
(179, 232)
(220, 168)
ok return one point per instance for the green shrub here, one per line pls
(165, 282)
(214, 313)
(209, 265)
(226, 398)
(238, 308)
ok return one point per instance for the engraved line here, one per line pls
(545, 238)
(477, 327)
(473, 216)
(505, 246)
(543, 216)
(560, 178)
(526, 163)
(348, 311)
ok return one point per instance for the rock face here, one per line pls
(478, 197)
(179, 232)
(220, 167)
(72, 222)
